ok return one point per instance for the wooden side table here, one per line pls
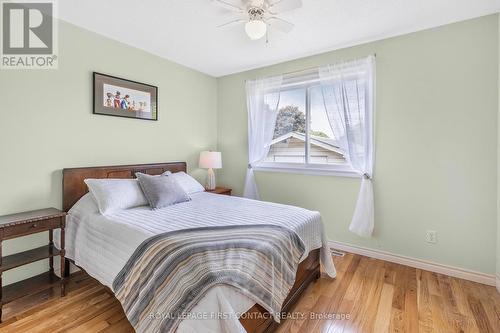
(220, 190)
(27, 223)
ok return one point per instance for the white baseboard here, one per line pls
(419, 263)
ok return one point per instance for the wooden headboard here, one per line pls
(74, 188)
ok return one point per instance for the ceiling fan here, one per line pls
(259, 15)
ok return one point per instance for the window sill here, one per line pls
(308, 170)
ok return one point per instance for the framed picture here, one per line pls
(118, 97)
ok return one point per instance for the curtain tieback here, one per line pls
(367, 176)
(249, 166)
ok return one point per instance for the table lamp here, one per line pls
(210, 160)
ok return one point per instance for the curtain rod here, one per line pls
(312, 68)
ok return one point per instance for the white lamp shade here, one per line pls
(210, 159)
(255, 29)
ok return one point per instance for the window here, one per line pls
(289, 143)
(303, 138)
(318, 122)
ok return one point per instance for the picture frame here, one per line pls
(118, 97)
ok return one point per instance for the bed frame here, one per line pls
(255, 320)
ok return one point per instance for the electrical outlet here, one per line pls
(431, 236)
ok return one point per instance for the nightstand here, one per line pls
(27, 223)
(221, 190)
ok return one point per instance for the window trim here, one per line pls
(308, 169)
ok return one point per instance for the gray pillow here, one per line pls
(162, 190)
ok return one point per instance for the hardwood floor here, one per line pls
(371, 295)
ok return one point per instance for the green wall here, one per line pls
(47, 123)
(498, 169)
(436, 146)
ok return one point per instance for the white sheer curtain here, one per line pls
(348, 94)
(262, 102)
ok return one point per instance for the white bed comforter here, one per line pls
(102, 244)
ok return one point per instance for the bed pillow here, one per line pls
(161, 191)
(112, 195)
(188, 183)
(85, 205)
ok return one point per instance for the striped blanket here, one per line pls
(170, 272)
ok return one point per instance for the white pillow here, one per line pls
(112, 195)
(188, 183)
(85, 205)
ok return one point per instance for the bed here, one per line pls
(100, 245)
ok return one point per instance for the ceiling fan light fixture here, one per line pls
(256, 29)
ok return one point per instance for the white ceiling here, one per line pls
(185, 32)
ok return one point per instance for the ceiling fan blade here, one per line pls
(229, 5)
(232, 23)
(280, 6)
(280, 24)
